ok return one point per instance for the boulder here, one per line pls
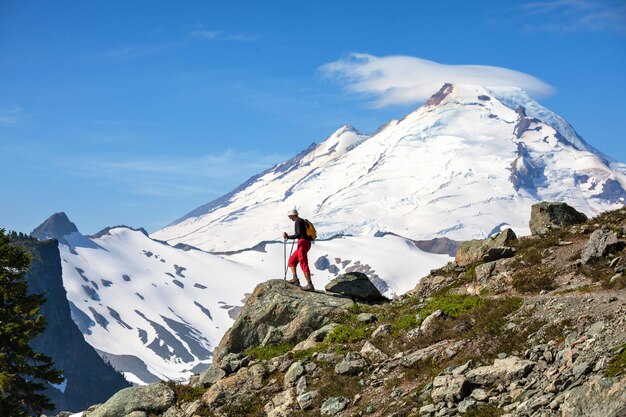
(372, 353)
(150, 399)
(306, 400)
(352, 364)
(355, 285)
(450, 388)
(502, 370)
(277, 313)
(237, 387)
(601, 243)
(549, 215)
(281, 405)
(210, 377)
(295, 371)
(491, 249)
(599, 397)
(334, 405)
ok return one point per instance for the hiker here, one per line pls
(300, 255)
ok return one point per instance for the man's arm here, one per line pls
(300, 230)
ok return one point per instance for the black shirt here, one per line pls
(300, 227)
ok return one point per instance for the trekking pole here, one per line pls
(285, 257)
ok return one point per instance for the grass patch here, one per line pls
(618, 364)
(452, 305)
(186, 393)
(268, 352)
(485, 410)
(534, 279)
(348, 334)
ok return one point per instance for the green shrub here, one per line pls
(535, 279)
(347, 334)
(186, 393)
(618, 364)
(452, 305)
(268, 352)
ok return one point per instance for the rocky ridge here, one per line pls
(540, 332)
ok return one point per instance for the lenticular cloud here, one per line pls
(405, 79)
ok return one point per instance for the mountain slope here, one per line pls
(466, 163)
(156, 312)
(88, 379)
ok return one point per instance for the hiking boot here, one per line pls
(294, 281)
(309, 287)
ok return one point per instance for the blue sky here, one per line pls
(136, 112)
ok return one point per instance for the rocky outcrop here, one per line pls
(355, 285)
(55, 227)
(602, 242)
(547, 215)
(88, 378)
(493, 248)
(600, 397)
(278, 313)
(154, 398)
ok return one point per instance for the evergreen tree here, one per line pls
(23, 372)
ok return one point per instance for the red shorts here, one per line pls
(300, 255)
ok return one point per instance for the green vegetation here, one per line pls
(484, 411)
(23, 372)
(348, 334)
(535, 279)
(618, 364)
(268, 352)
(452, 305)
(186, 393)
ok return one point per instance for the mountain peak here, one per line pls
(54, 227)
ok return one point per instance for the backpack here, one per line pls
(310, 230)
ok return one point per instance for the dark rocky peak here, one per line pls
(107, 230)
(440, 95)
(55, 227)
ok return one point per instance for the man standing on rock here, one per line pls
(300, 255)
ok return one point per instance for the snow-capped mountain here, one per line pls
(156, 312)
(467, 163)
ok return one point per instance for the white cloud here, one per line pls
(177, 176)
(198, 31)
(204, 34)
(576, 16)
(10, 115)
(403, 79)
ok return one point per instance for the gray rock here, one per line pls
(427, 409)
(449, 388)
(334, 405)
(484, 271)
(601, 243)
(366, 318)
(595, 329)
(306, 400)
(428, 321)
(173, 412)
(490, 249)
(210, 376)
(502, 370)
(277, 313)
(599, 397)
(382, 330)
(352, 364)
(281, 405)
(296, 370)
(372, 353)
(437, 349)
(302, 385)
(356, 285)
(479, 394)
(153, 398)
(466, 405)
(548, 215)
(580, 369)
